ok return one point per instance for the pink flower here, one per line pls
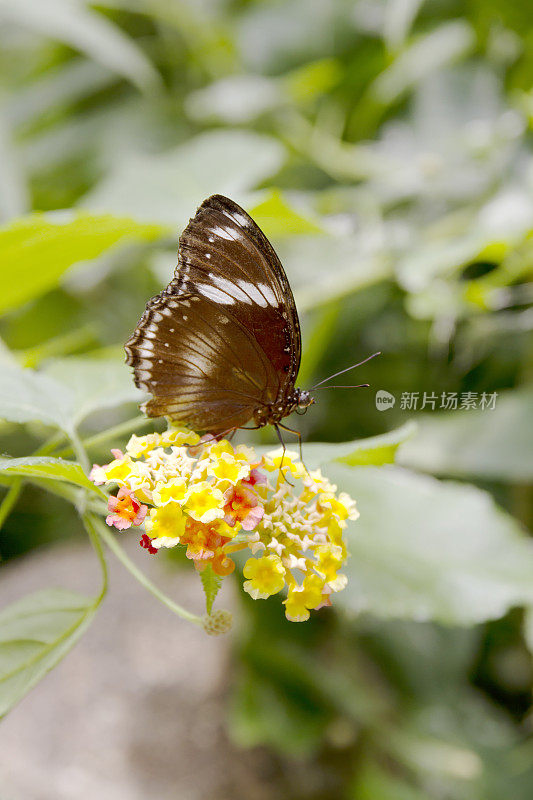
(242, 506)
(125, 510)
(256, 478)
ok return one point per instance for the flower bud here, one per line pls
(218, 622)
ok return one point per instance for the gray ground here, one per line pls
(136, 710)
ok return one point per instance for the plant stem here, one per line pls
(113, 545)
(10, 499)
(104, 436)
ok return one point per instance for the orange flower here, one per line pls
(202, 540)
(125, 510)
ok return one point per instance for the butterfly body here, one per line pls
(220, 346)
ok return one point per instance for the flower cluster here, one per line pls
(216, 499)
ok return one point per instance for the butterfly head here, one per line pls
(304, 399)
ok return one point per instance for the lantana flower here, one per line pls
(215, 500)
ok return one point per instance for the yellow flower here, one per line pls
(273, 462)
(178, 437)
(266, 576)
(301, 598)
(330, 558)
(342, 506)
(166, 521)
(173, 490)
(215, 499)
(228, 469)
(119, 470)
(204, 502)
(141, 445)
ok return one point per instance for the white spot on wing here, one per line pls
(212, 293)
(222, 232)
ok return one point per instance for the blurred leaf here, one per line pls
(374, 451)
(308, 261)
(44, 467)
(277, 219)
(170, 185)
(234, 100)
(85, 30)
(427, 53)
(28, 396)
(211, 583)
(35, 634)
(95, 384)
(36, 250)
(14, 195)
(375, 782)
(66, 392)
(493, 444)
(399, 17)
(424, 549)
(312, 80)
(277, 713)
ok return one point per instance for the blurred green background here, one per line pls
(385, 148)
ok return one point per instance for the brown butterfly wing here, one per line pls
(223, 339)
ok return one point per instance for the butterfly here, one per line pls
(220, 346)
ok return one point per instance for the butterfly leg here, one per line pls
(280, 437)
(299, 435)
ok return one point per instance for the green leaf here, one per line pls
(46, 467)
(86, 30)
(36, 250)
(495, 444)
(66, 392)
(211, 583)
(429, 550)
(373, 451)
(29, 396)
(95, 384)
(277, 219)
(35, 634)
(224, 162)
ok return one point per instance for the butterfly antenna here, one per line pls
(336, 386)
(342, 371)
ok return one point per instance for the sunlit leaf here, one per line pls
(492, 444)
(277, 218)
(36, 250)
(45, 467)
(429, 550)
(373, 451)
(35, 634)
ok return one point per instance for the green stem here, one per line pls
(90, 527)
(128, 426)
(113, 545)
(79, 450)
(10, 499)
